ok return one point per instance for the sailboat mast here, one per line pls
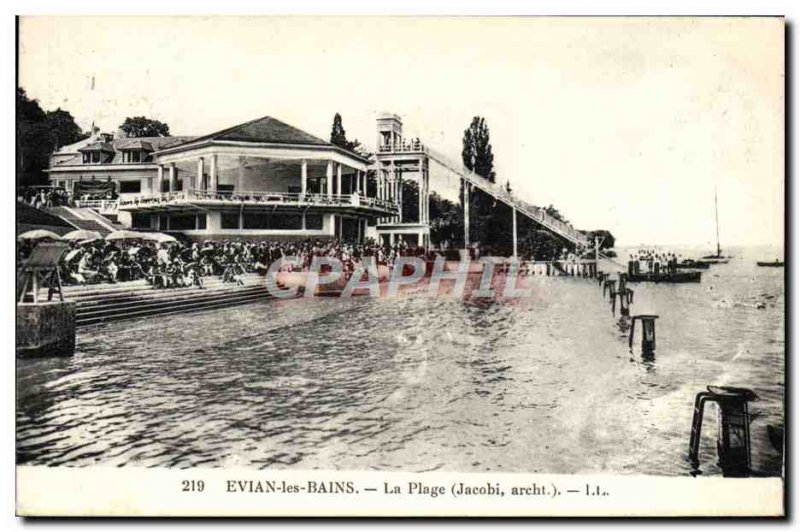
(716, 217)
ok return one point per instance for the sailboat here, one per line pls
(719, 258)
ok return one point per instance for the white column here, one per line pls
(173, 179)
(514, 228)
(200, 172)
(303, 179)
(159, 179)
(357, 177)
(379, 179)
(466, 215)
(329, 179)
(421, 199)
(212, 179)
(339, 179)
(399, 196)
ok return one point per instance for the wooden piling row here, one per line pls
(560, 268)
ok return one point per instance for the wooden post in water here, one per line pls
(624, 308)
(733, 437)
(648, 332)
(612, 285)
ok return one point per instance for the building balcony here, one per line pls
(403, 147)
(207, 198)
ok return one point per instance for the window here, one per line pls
(140, 220)
(134, 156)
(182, 222)
(256, 221)
(130, 187)
(287, 221)
(314, 221)
(201, 221)
(230, 220)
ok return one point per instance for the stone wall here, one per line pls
(45, 329)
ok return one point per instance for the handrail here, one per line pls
(498, 192)
(262, 197)
(402, 147)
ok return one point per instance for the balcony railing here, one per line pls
(101, 206)
(402, 147)
(260, 198)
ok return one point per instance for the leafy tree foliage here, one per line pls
(552, 211)
(410, 204)
(447, 228)
(339, 137)
(39, 133)
(605, 237)
(476, 150)
(141, 126)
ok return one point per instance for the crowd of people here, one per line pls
(45, 196)
(175, 264)
(652, 262)
(41, 197)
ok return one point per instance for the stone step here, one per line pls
(79, 292)
(175, 308)
(158, 293)
(198, 296)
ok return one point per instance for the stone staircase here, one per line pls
(103, 303)
(84, 219)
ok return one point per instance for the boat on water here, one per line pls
(718, 258)
(691, 264)
(664, 277)
(775, 264)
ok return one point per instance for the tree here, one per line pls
(552, 211)
(339, 137)
(39, 133)
(476, 154)
(605, 238)
(32, 141)
(446, 223)
(62, 128)
(476, 151)
(410, 203)
(141, 126)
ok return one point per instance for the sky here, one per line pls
(625, 124)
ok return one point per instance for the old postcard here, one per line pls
(400, 266)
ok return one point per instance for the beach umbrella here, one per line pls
(38, 234)
(82, 234)
(161, 238)
(124, 235)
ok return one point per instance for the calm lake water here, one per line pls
(545, 384)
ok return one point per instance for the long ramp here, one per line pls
(499, 193)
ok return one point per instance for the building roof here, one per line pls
(98, 146)
(267, 130)
(134, 144)
(120, 145)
